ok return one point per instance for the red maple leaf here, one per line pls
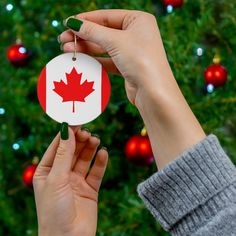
(73, 91)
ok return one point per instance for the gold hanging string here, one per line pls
(75, 43)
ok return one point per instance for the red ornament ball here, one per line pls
(215, 75)
(18, 54)
(174, 3)
(138, 150)
(28, 175)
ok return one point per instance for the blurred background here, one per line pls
(200, 40)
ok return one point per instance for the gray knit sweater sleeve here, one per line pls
(196, 193)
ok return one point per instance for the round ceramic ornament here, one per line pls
(73, 88)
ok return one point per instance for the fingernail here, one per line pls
(74, 24)
(58, 39)
(62, 46)
(104, 148)
(95, 135)
(85, 129)
(64, 131)
(64, 22)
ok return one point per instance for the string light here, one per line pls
(199, 52)
(22, 50)
(16, 146)
(169, 8)
(210, 88)
(55, 23)
(2, 111)
(9, 7)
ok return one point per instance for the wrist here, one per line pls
(170, 123)
(50, 233)
(156, 94)
(156, 81)
(45, 231)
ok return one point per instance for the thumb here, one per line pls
(93, 32)
(65, 151)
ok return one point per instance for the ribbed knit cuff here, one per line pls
(192, 188)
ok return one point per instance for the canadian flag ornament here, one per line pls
(73, 91)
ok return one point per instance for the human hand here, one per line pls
(133, 42)
(66, 193)
(130, 38)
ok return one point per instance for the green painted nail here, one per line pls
(74, 24)
(64, 131)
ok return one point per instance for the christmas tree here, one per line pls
(197, 34)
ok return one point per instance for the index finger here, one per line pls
(109, 18)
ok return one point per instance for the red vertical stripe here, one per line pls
(106, 89)
(41, 89)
